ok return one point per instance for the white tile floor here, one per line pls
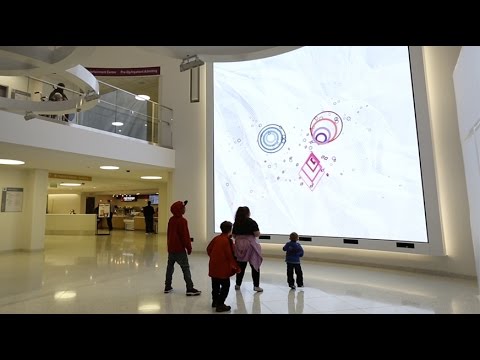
(124, 273)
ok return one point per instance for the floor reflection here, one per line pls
(125, 272)
(295, 302)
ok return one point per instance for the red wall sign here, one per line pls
(145, 71)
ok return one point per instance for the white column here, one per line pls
(35, 204)
(467, 86)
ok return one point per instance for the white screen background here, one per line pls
(269, 119)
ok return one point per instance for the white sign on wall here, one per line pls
(104, 211)
(12, 199)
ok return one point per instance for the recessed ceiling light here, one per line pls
(11, 162)
(142, 97)
(109, 167)
(150, 177)
(117, 123)
(70, 184)
(65, 295)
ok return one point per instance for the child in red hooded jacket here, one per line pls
(179, 245)
(221, 266)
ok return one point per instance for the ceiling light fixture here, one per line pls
(142, 97)
(65, 295)
(70, 184)
(109, 167)
(150, 177)
(117, 123)
(11, 162)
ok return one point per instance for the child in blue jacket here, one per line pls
(294, 252)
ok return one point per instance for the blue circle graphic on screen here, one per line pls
(271, 138)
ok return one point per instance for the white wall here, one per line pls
(467, 88)
(12, 223)
(26, 229)
(189, 141)
(163, 208)
(37, 181)
(63, 203)
(24, 84)
(439, 65)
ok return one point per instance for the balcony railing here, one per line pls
(115, 111)
(124, 113)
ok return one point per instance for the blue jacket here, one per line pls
(294, 252)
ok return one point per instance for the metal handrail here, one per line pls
(126, 109)
(128, 92)
(55, 85)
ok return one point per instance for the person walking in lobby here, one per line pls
(179, 245)
(148, 212)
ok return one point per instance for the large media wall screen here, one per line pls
(321, 141)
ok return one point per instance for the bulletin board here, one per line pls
(12, 200)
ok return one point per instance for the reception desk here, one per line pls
(71, 224)
(138, 222)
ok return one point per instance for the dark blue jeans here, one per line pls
(298, 272)
(220, 289)
(182, 260)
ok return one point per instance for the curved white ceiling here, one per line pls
(220, 53)
(39, 60)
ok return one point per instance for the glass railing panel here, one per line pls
(116, 111)
(164, 130)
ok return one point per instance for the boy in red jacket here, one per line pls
(222, 266)
(179, 245)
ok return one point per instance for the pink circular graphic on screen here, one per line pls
(326, 127)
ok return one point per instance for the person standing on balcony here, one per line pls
(58, 95)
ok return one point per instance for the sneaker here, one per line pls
(237, 287)
(292, 287)
(168, 289)
(223, 308)
(300, 285)
(193, 292)
(257, 289)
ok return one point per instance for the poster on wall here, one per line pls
(104, 211)
(12, 199)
